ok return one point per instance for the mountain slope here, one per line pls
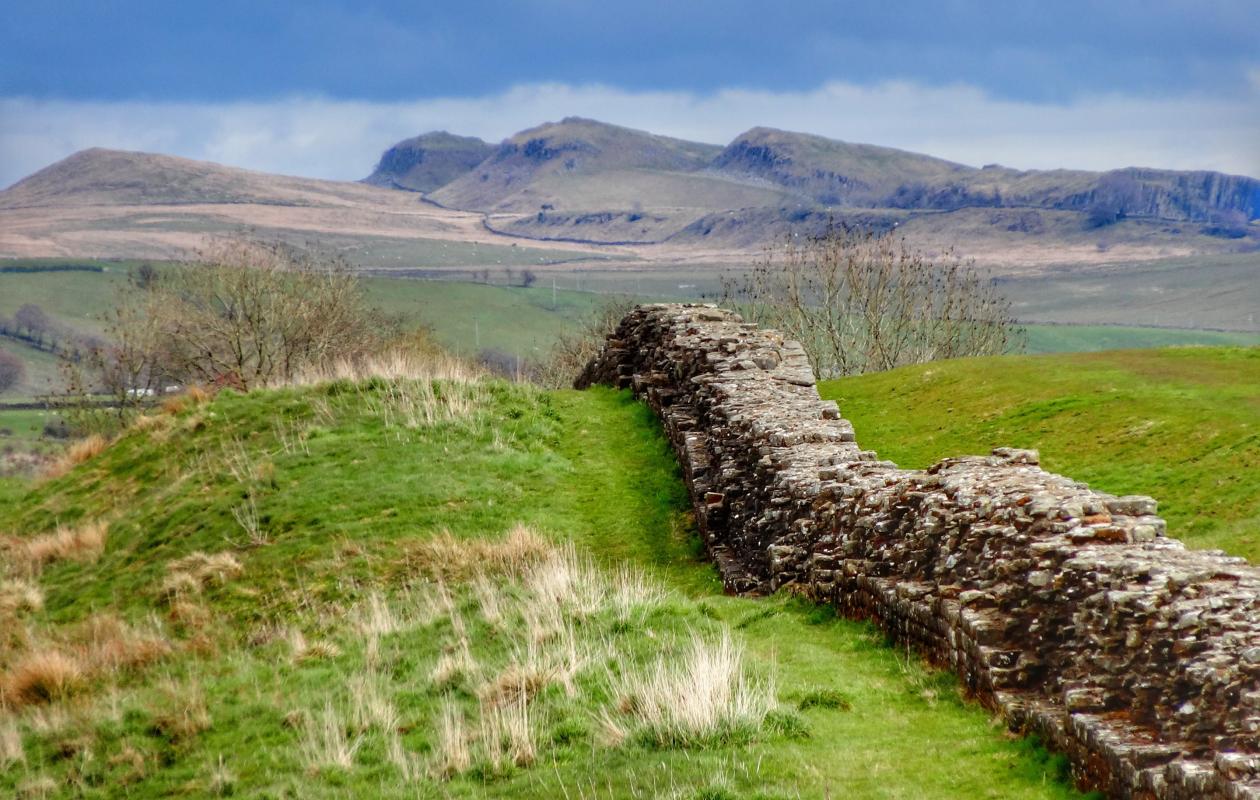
(831, 172)
(428, 161)
(836, 173)
(536, 166)
(116, 177)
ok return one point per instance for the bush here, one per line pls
(860, 301)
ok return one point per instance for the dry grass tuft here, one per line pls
(306, 650)
(183, 714)
(110, 645)
(325, 743)
(705, 697)
(17, 596)
(84, 542)
(191, 574)
(456, 665)
(507, 736)
(445, 556)
(451, 754)
(399, 364)
(517, 683)
(11, 750)
(191, 396)
(41, 676)
(81, 451)
(146, 423)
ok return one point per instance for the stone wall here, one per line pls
(1066, 609)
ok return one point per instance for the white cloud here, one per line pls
(328, 138)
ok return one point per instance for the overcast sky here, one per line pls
(321, 88)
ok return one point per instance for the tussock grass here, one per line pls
(304, 649)
(84, 542)
(451, 754)
(707, 696)
(11, 749)
(17, 595)
(41, 676)
(447, 556)
(81, 451)
(189, 575)
(325, 742)
(110, 645)
(182, 712)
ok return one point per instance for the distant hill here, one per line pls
(117, 177)
(835, 173)
(556, 164)
(428, 161)
(588, 184)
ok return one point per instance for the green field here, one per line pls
(317, 660)
(1091, 338)
(470, 317)
(1181, 425)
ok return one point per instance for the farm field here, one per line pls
(1181, 425)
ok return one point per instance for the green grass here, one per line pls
(343, 499)
(1090, 338)
(470, 317)
(1181, 425)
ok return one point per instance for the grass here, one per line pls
(1091, 338)
(472, 605)
(1181, 425)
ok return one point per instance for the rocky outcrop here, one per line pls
(1068, 610)
(425, 163)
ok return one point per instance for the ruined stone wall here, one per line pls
(1066, 609)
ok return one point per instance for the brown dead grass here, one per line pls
(78, 453)
(41, 676)
(110, 645)
(190, 397)
(445, 556)
(84, 542)
(187, 576)
(515, 684)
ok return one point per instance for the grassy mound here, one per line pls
(1181, 425)
(449, 589)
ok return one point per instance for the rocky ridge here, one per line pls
(1067, 610)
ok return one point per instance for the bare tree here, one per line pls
(33, 320)
(12, 370)
(251, 314)
(578, 344)
(254, 314)
(861, 301)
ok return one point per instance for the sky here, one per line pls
(320, 88)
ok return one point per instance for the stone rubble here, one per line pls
(1067, 610)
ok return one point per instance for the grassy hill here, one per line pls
(402, 588)
(1181, 425)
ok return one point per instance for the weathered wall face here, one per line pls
(1066, 609)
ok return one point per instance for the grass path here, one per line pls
(343, 507)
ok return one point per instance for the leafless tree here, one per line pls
(253, 314)
(579, 343)
(32, 319)
(861, 301)
(250, 314)
(12, 370)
